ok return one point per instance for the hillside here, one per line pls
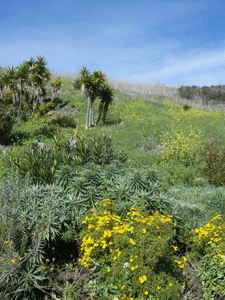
(159, 158)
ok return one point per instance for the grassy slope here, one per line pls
(134, 123)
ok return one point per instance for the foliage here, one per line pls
(83, 170)
(27, 85)
(212, 274)
(34, 219)
(7, 117)
(42, 163)
(56, 86)
(45, 214)
(208, 242)
(206, 93)
(193, 205)
(41, 110)
(119, 251)
(213, 163)
(63, 121)
(181, 146)
(48, 130)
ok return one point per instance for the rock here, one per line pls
(157, 149)
(41, 146)
(4, 148)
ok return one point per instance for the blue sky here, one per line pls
(171, 42)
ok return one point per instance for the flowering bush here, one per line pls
(209, 235)
(208, 240)
(181, 146)
(133, 255)
(213, 162)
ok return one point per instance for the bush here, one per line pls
(208, 242)
(41, 164)
(7, 117)
(213, 163)
(48, 130)
(32, 221)
(180, 147)
(132, 256)
(63, 121)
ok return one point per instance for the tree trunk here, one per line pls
(88, 113)
(14, 97)
(35, 106)
(92, 113)
(100, 108)
(53, 96)
(106, 107)
(20, 103)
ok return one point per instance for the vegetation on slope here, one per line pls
(162, 165)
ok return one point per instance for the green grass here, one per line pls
(135, 124)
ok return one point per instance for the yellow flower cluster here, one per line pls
(111, 225)
(178, 115)
(133, 112)
(127, 297)
(117, 241)
(180, 145)
(210, 234)
(174, 247)
(143, 279)
(182, 262)
(47, 261)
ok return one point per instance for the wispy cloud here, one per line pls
(196, 67)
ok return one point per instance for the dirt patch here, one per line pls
(192, 289)
(157, 149)
(67, 110)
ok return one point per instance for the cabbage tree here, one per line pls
(90, 85)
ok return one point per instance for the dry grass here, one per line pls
(147, 90)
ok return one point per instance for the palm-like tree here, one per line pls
(56, 86)
(22, 77)
(90, 85)
(85, 83)
(106, 98)
(26, 81)
(12, 84)
(99, 79)
(6, 80)
(3, 82)
(39, 77)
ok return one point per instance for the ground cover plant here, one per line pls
(140, 195)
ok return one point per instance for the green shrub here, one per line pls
(48, 130)
(40, 164)
(63, 121)
(212, 274)
(177, 173)
(200, 182)
(33, 219)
